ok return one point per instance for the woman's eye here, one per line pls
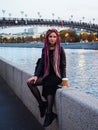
(52, 36)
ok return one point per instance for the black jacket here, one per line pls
(40, 66)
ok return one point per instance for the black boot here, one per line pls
(42, 108)
(49, 118)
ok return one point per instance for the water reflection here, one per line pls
(82, 65)
(82, 70)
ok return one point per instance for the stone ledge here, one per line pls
(76, 110)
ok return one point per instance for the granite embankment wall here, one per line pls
(79, 45)
(75, 110)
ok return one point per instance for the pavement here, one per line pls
(13, 113)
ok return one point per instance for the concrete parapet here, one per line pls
(76, 110)
(16, 77)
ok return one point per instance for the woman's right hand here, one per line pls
(32, 79)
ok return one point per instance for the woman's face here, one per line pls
(52, 38)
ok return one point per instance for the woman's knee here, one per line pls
(29, 84)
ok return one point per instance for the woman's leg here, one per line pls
(36, 93)
(50, 116)
(50, 100)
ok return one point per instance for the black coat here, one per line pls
(39, 70)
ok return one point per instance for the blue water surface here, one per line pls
(82, 65)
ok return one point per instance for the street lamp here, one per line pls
(22, 12)
(89, 22)
(26, 15)
(58, 21)
(80, 20)
(38, 14)
(3, 11)
(9, 15)
(53, 15)
(71, 17)
(93, 20)
(83, 18)
(26, 19)
(58, 18)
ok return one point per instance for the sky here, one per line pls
(85, 10)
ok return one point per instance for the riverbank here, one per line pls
(76, 110)
(91, 46)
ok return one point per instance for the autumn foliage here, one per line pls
(69, 36)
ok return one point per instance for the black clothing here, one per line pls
(36, 67)
(62, 64)
(50, 82)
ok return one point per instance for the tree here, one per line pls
(91, 37)
(83, 36)
(69, 36)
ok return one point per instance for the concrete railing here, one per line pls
(75, 110)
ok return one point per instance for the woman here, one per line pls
(53, 65)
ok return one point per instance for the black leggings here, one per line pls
(36, 93)
(34, 89)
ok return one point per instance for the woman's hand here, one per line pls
(32, 79)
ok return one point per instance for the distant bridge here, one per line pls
(8, 22)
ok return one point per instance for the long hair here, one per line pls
(56, 54)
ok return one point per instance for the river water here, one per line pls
(82, 65)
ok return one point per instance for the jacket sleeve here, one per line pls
(40, 67)
(63, 63)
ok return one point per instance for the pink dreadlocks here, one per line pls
(56, 54)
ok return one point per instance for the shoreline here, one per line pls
(92, 45)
